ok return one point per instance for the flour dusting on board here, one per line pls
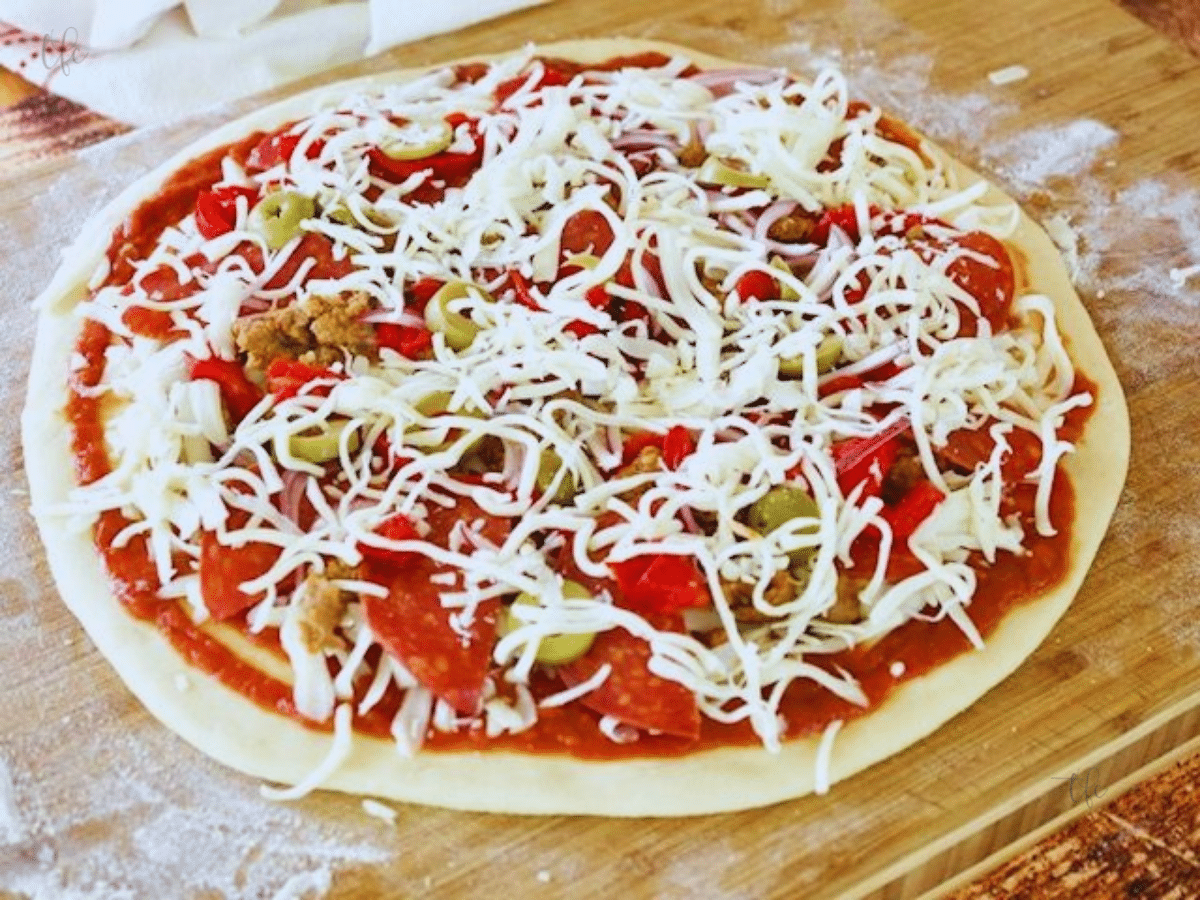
(178, 814)
(11, 830)
(1034, 157)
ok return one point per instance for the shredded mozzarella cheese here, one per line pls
(571, 379)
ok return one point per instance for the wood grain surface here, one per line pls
(1111, 692)
(1178, 19)
(14, 88)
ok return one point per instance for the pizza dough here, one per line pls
(226, 726)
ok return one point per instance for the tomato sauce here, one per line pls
(175, 200)
(571, 729)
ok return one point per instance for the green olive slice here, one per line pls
(714, 171)
(780, 505)
(791, 366)
(278, 215)
(342, 215)
(321, 443)
(436, 403)
(418, 140)
(829, 351)
(554, 649)
(548, 468)
(458, 330)
(582, 260)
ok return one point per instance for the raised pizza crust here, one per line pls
(226, 726)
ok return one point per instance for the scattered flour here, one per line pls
(1146, 232)
(1180, 277)
(305, 886)
(11, 830)
(1032, 158)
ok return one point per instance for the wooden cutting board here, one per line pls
(95, 795)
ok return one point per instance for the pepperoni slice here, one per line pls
(632, 693)
(968, 447)
(223, 569)
(413, 626)
(586, 232)
(986, 273)
(318, 248)
(163, 285)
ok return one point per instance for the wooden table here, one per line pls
(1125, 819)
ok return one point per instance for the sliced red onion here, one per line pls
(514, 463)
(723, 82)
(735, 223)
(644, 139)
(292, 493)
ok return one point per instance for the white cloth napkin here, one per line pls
(150, 61)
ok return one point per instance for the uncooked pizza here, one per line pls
(551, 432)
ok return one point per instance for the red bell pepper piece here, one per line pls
(661, 583)
(522, 288)
(597, 296)
(550, 77)
(867, 460)
(239, 393)
(216, 210)
(285, 377)
(452, 168)
(756, 286)
(839, 383)
(410, 341)
(422, 290)
(914, 508)
(455, 169)
(676, 446)
(843, 217)
(278, 148)
(580, 328)
(393, 528)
